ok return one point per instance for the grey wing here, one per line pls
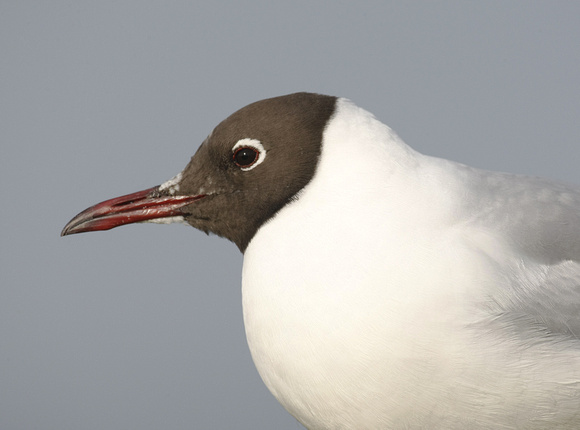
(541, 221)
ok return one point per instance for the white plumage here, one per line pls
(401, 291)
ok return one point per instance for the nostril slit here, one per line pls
(124, 203)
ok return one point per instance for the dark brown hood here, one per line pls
(223, 198)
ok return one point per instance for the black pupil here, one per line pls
(245, 156)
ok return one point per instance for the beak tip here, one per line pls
(67, 230)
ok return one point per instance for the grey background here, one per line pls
(141, 327)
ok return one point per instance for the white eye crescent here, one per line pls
(248, 153)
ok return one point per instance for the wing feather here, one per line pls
(539, 223)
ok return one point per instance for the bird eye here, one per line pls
(245, 156)
(248, 153)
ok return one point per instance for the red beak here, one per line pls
(137, 207)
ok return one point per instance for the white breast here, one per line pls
(359, 317)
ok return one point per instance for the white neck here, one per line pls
(304, 305)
